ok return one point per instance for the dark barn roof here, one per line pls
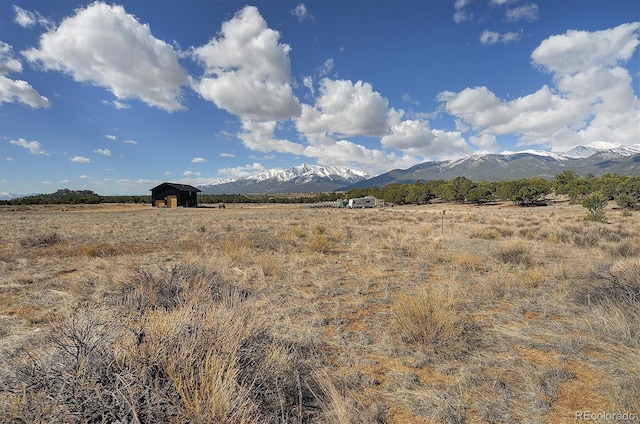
(179, 187)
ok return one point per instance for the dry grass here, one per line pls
(288, 314)
(432, 318)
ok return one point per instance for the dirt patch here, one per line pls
(582, 393)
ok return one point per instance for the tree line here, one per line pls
(625, 190)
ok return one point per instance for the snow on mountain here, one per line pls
(305, 177)
(591, 149)
(218, 182)
(309, 172)
(8, 196)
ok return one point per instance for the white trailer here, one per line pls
(362, 202)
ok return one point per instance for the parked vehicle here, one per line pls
(362, 202)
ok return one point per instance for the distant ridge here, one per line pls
(595, 159)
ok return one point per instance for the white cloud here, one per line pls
(104, 152)
(260, 136)
(301, 12)
(576, 51)
(198, 160)
(308, 83)
(133, 142)
(592, 98)
(191, 174)
(487, 142)
(110, 137)
(27, 19)
(117, 104)
(34, 147)
(227, 155)
(8, 63)
(461, 13)
(488, 38)
(242, 171)
(16, 90)
(527, 12)
(416, 138)
(347, 153)
(326, 67)
(346, 108)
(97, 46)
(80, 159)
(248, 70)
(406, 97)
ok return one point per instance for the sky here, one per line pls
(118, 97)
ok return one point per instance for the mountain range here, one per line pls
(298, 179)
(596, 159)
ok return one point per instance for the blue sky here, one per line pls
(117, 97)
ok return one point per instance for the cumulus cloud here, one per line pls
(260, 136)
(80, 159)
(191, 174)
(328, 151)
(576, 51)
(34, 147)
(592, 98)
(247, 70)
(346, 108)
(16, 90)
(198, 160)
(97, 45)
(110, 136)
(488, 38)
(103, 152)
(527, 12)
(414, 137)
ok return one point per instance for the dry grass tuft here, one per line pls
(516, 252)
(627, 277)
(432, 318)
(42, 240)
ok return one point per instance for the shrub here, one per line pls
(595, 204)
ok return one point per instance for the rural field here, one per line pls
(287, 314)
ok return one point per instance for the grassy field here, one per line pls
(273, 313)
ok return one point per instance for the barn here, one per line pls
(172, 195)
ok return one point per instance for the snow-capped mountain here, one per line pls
(8, 196)
(596, 159)
(597, 147)
(301, 178)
